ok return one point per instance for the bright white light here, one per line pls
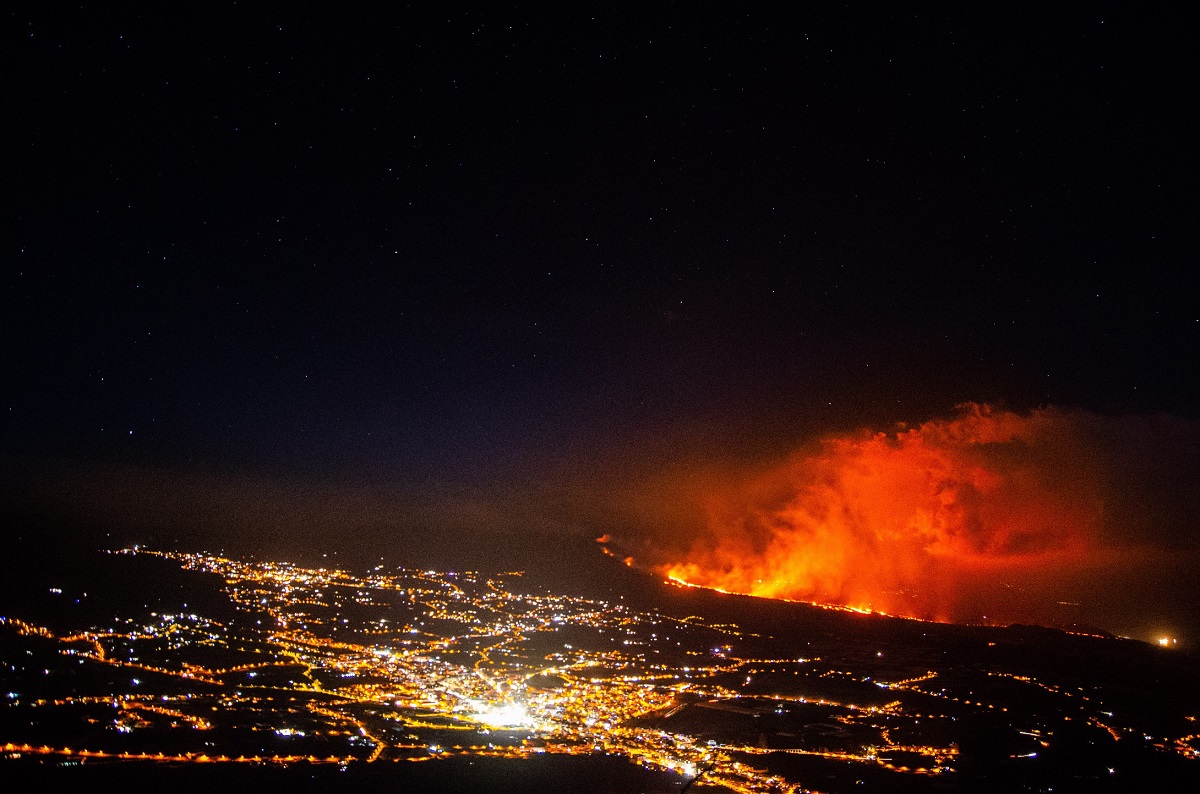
(508, 715)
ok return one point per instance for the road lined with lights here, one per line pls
(408, 665)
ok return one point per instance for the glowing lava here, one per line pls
(909, 523)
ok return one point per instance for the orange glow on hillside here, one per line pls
(906, 523)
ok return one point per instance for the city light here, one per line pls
(412, 665)
(508, 715)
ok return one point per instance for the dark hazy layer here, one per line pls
(1053, 516)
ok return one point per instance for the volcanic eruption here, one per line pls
(917, 522)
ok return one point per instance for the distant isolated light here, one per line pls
(1166, 642)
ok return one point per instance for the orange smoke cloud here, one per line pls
(908, 523)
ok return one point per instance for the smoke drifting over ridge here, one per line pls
(988, 515)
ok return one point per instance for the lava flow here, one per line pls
(919, 522)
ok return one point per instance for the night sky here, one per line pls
(519, 250)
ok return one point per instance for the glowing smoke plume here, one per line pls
(906, 523)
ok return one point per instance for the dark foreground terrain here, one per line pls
(158, 668)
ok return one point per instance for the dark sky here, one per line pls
(457, 245)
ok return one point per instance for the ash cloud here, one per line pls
(987, 515)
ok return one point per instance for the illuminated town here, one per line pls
(324, 666)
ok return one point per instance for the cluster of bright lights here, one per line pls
(506, 715)
(584, 710)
